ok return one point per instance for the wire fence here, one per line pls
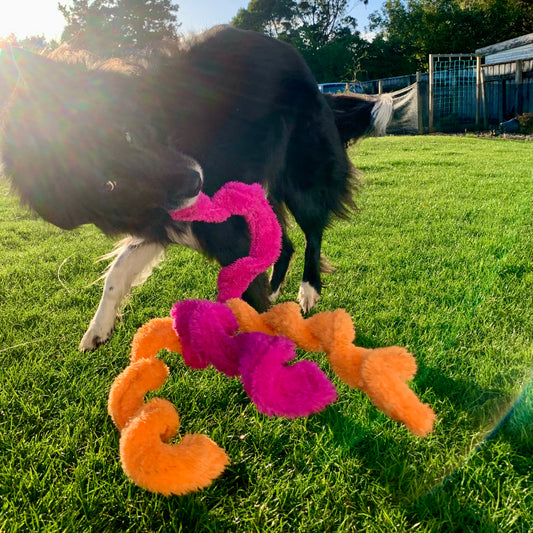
(458, 93)
(453, 90)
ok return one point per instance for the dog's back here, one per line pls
(232, 98)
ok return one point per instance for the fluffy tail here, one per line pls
(356, 116)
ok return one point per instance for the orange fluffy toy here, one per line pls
(195, 461)
(146, 457)
(381, 373)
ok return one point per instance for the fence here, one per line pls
(508, 90)
(458, 93)
(453, 91)
(409, 94)
(388, 85)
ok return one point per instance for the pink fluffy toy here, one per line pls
(249, 202)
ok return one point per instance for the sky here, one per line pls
(41, 17)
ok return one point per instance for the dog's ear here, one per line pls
(32, 69)
(40, 76)
(8, 73)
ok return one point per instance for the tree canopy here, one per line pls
(321, 29)
(115, 27)
(406, 32)
(411, 30)
(315, 22)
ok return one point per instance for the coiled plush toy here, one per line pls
(237, 341)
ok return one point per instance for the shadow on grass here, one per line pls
(463, 498)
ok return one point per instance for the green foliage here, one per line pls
(273, 17)
(35, 43)
(439, 259)
(413, 29)
(336, 60)
(526, 123)
(312, 21)
(320, 29)
(116, 27)
(383, 58)
(407, 32)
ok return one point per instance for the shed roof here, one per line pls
(517, 42)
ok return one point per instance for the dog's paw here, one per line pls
(275, 295)
(93, 338)
(307, 296)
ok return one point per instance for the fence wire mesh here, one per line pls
(453, 89)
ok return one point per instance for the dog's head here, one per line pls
(82, 145)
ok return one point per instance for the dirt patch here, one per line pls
(493, 135)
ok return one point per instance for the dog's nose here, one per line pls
(185, 187)
(196, 180)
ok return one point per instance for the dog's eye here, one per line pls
(110, 186)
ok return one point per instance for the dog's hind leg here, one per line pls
(312, 218)
(319, 183)
(311, 285)
(132, 265)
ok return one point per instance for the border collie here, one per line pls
(120, 144)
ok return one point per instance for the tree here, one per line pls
(146, 21)
(116, 27)
(35, 43)
(413, 29)
(314, 22)
(272, 17)
(320, 29)
(337, 59)
(383, 58)
(321, 20)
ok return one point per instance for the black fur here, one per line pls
(116, 145)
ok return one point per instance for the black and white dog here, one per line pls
(121, 144)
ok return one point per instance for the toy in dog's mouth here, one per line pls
(248, 201)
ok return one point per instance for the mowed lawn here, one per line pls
(438, 260)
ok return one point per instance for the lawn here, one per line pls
(438, 260)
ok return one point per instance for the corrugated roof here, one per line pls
(521, 52)
(521, 45)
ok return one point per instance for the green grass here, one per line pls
(439, 260)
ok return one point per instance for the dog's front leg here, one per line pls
(132, 265)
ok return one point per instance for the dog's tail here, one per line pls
(356, 116)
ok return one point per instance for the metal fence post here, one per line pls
(419, 103)
(431, 94)
(478, 90)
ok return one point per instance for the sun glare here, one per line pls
(25, 18)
